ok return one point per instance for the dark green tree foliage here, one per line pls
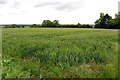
(36, 26)
(103, 21)
(106, 21)
(56, 23)
(115, 23)
(47, 23)
(12, 26)
(75, 26)
(117, 20)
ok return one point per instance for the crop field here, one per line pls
(59, 53)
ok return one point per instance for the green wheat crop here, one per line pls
(59, 53)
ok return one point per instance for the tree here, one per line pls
(97, 23)
(56, 23)
(103, 21)
(47, 23)
(36, 26)
(13, 26)
(117, 16)
(101, 16)
(106, 21)
(117, 20)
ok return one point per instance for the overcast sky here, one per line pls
(66, 11)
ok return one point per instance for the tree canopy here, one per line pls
(106, 21)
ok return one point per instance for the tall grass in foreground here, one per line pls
(43, 53)
(0, 52)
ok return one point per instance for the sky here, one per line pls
(119, 6)
(66, 11)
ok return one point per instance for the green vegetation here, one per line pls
(105, 21)
(0, 51)
(58, 52)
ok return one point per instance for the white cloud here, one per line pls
(119, 6)
(67, 11)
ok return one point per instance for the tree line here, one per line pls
(104, 21)
(50, 24)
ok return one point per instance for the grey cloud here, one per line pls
(16, 5)
(70, 6)
(43, 4)
(3, 2)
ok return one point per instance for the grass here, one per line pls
(0, 52)
(60, 53)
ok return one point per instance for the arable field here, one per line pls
(59, 53)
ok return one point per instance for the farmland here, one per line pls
(59, 53)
